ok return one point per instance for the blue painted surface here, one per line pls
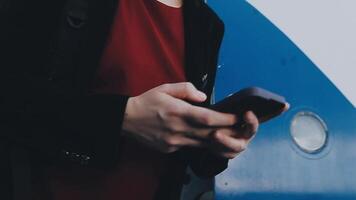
(256, 53)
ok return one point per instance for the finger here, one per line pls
(207, 117)
(180, 126)
(204, 134)
(181, 141)
(184, 90)
(230, 144)
(251, 125)
(193, 143)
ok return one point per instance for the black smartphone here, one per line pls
(263, 103)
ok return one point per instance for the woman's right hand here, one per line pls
(163, 119)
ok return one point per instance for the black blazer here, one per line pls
(49, 53)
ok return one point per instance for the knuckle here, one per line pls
(207, 120)
(168, 111)
(174, 127)
(174, 110)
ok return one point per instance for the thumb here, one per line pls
(184, 90)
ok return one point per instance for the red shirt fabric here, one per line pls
(145, 49)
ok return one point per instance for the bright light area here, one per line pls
(325, 30)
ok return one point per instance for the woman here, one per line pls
(110, 105)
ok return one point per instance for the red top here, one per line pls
(145, 49)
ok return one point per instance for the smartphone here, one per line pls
(263, 103)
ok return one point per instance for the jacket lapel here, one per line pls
(194, 41)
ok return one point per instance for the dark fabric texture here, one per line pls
(204, 34)
(49, 54)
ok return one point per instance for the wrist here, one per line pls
(129, 112)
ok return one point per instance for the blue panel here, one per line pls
(256, 53)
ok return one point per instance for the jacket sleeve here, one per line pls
(80, 130)
(205, 164)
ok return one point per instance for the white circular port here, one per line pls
(309, 132)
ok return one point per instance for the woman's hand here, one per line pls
(162, 118)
